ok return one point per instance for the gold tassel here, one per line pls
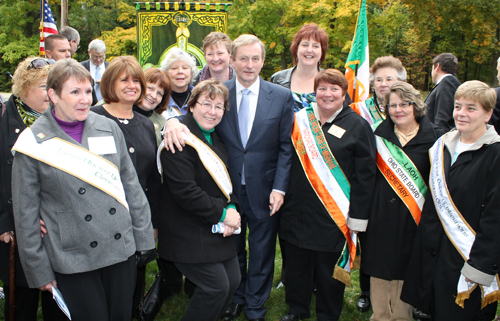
(461, 297)
(357, 263)
(342, 275)
(490, 298)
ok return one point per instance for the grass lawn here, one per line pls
(173, 309)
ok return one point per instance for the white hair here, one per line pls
(177, 54)
(98, 45)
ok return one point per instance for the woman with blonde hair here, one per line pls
(453, 271)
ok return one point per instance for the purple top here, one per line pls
(73, 129)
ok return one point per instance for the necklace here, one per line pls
(124, 121)
(185, 101)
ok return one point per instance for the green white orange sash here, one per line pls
(212, 163)
(402, 175)
(458, 230)
(369, 111)
(74, 160)
(328, 181)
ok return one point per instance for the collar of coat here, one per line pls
(426, 133)
(488, 138)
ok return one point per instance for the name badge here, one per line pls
(102, 145)
(336, 131)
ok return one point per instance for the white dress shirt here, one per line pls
(102, 68)
(253, 96)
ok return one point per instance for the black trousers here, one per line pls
(104, 294)
(27, 305)
(215, 285)
(303, 267)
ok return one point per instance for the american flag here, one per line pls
(47, 24)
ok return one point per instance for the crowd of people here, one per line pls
(107, 167)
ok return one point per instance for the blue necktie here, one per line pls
(97, 89)
(243, 122)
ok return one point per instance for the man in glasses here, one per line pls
(96, 65)
(57, 47)
(73, 37)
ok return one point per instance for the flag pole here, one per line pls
(355, 84)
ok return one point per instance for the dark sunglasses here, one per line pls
(40, 62)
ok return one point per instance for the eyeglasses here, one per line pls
(39, 63)
(402, 105)
(206, 107)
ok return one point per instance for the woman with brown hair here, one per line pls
(197, 187)
(157, 95)
(308, 48)
(332, 179)
(122, 87)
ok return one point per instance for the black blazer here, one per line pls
(440, 102)
(11, 125)
(192, 203)
(86, 64)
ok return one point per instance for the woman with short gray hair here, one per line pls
(403, 141)
(182, 69)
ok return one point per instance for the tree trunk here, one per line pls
(64, 13)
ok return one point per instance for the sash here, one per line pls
(328, 181)
(76, 161)
(457, 229)
(402, 175)
(212, 163)
(369, 111)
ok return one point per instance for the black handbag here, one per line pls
(153, 300)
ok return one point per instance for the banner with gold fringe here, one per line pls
(162, 26)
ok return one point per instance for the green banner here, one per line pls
(162, 26)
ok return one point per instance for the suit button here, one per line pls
(245, 152)
(81, 190)
(433, 253)
(112, 211)
(393, 200)
(117, 236)
(131, 150)
(9, 201)
(495, 267)
(93, 244)
(9, 161)
(88, 218)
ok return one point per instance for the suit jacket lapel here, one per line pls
(263, 107)
(232, 114)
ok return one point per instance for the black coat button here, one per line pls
(9, 161)
(393, 200)
(433, 253)
(495, 267)
(88, 217)
(93, 244)
(117, 236)
(81, 190)
(112, 210)
(9, 201)
(245, 152)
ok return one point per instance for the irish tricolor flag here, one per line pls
(357, 66)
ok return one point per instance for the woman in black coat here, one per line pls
(388, 241)
(442, 279)
(315, 241)
(28, 101)
(198, 198)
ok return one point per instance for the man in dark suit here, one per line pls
(441, 100)
(96, 65)
(256, 132)
(495, 118)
